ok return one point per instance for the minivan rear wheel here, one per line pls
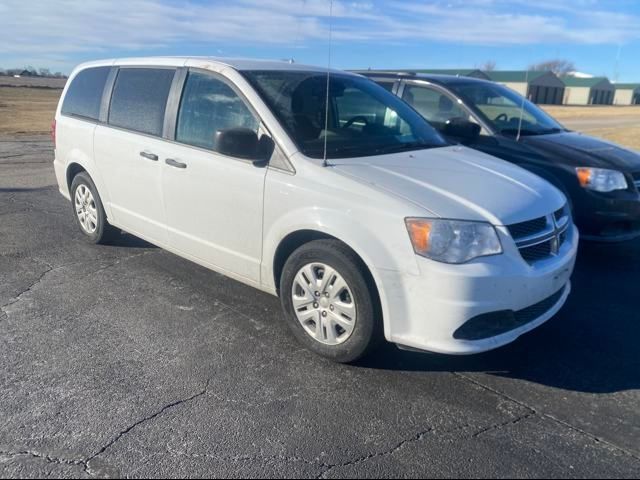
(89, 212)
(329, 304)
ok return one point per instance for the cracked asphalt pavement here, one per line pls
(126, 360)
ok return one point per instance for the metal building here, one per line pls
(588, 91)
(544, 88)
(627, 94)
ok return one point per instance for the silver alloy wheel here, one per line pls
(324, 304)
(86, 209)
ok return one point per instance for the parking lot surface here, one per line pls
(126, 360)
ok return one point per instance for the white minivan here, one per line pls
(346, 204)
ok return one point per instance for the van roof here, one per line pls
(208, 62)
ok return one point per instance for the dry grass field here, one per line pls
(614, 123)
(592, 112)
(27, 110)
(627, 136)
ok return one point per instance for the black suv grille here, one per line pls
(636, 180)
(496, 323)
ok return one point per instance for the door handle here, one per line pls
(149, 156)
(174, 163)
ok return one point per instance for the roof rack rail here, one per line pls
(389, 72)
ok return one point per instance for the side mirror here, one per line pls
(463, 130)
(238, 142)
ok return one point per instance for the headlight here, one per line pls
(452, 241)
(601, 180)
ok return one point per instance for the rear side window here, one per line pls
(84, 95)
(139, 99)
(209, 105)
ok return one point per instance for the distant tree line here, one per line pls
(30, 71)
(558, 66)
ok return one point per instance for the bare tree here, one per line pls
(44, 72)
(488, 66)
(558, 66)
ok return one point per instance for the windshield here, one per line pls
(502, 107)
(364, 118)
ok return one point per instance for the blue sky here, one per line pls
(366, 33)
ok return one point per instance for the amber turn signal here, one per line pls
(419, 231)
(584, 176)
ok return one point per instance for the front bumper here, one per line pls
(425, 311)
(608, 217)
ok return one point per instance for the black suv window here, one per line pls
(388, 86)
(505, 110)
(210, 105)
(139, 99)
(438, 108)
(84, 95)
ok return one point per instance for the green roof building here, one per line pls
(544, 88)
(627, 94)
(588, 91)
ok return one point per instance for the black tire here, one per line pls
(368, 331)
(104, 233)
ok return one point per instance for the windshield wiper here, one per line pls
(523, 131)
(369, 150)
(402, 147)
(552, 130)
(530, 133)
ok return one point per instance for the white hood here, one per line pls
(458, 183)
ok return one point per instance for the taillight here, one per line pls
(53, 132)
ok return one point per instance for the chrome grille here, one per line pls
(562, 217)
(541, 238)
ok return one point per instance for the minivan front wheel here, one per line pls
(88, 210)
(323, 304)
(328, 301)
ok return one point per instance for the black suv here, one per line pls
(600, 179)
